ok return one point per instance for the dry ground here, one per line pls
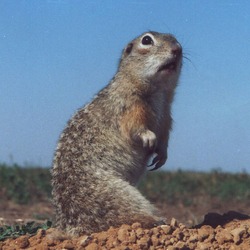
(219, 229)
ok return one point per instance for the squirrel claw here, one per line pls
(156, 167)
(155, 160)
(158, 162)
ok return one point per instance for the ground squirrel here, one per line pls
(107, 145)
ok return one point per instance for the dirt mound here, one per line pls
(229, 231)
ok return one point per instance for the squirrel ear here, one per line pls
(128, 49)
(126, 52)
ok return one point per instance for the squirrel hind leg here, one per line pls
(127, 206)
(113, 202)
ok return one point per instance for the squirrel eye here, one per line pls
(147, 40)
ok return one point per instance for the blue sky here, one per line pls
(56, 54)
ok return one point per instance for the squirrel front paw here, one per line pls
(148, 139)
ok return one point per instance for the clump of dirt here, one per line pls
(229, 231)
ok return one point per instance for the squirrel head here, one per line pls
(154, 56)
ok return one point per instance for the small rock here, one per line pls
(173, 222)
(40, 233)
(167, 243)
(148, 232)
(182, 226)
(181, 245)
(173, 240)
(223, 237)
(67, 244)
(132, 237)
(237, 234)
(203, 246)
(84, 241)
(143, 243)
(203, 233)
(155, 240)
(19, 221)
(51, 242)
(22, 241)
(193, 238)
(163, 237)
(156, 230)
(92, 246)
(102, 236)
(115, 243)
(122, 234)
(172, 248)
(123, 248)
(136, 225)
(139, 233)
(193, 245)
(178, 234)
(166, 229)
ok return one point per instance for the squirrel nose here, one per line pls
(176, 50)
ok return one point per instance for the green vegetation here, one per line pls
(24, 185)
(18, 230)
(32, 184)
(185, 186)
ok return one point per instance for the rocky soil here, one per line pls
(228, 231)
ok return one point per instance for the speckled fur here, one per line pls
(107, 144)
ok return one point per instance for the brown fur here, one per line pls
(106, 146)
(133, 120)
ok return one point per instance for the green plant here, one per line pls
(185, 186)
(18, 230)
(27, 185)
(24, 185)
